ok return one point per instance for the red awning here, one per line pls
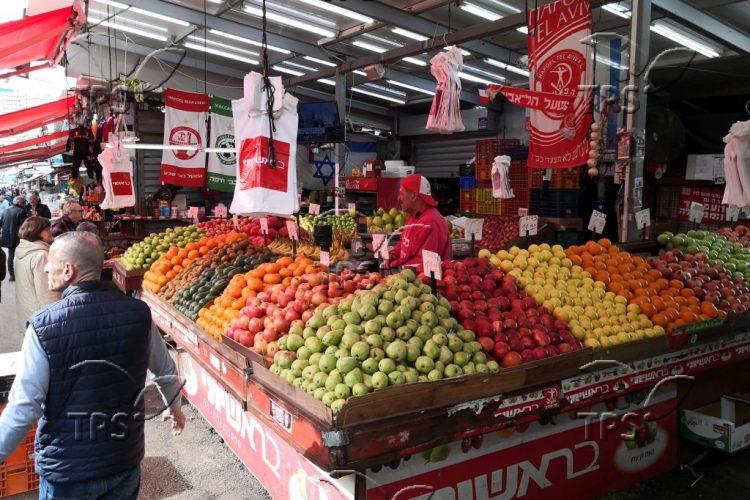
(43, 37)
(22, 120)
(55, 136)
(32, 155)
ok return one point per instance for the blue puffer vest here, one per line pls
(96, 341)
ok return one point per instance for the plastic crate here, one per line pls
(466, 170)
(468, 207)
(489, 207)
(554, 202)
(467, 182)
(483, 172)
(561, 179)
(469, 195)
(487, 149)
(17, 479)
(511, 205)
(567, 238)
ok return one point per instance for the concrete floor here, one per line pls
(197, 465)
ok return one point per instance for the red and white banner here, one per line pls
(544, 101)
(558, 65)
(184, 125)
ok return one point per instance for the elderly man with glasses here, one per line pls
(72, 215)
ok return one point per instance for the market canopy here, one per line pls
(22, 120)
(43, 37)
(32, 155)
(17, 146)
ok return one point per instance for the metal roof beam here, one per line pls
(409, 19)
(702, 23)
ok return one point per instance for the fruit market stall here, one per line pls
(554, 368)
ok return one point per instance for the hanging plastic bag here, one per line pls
(445, 112)
(500, 182)
(117, 176)
(263, 188)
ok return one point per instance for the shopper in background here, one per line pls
(72, 215)
(425, 228)
(36, 207)
(32, 289)
(89, 226)
(11, 222)
(2, 271)
(82, 373)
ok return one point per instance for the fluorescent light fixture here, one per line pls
(288, 21)
(129, 29)
(378, 96)
(338, 10)
(247, 41)
(326, 81)
(506, 6)
(410, 34)
(509, 67)
(617, 9)
(472, 78)
(481, 12)
(201, 40)
(484, 72)
(220, 150)
(359, 72)
(296, 13)
(282, 69)
(320, 61)
(121, 19)
(385, 89)
(523, 29)
(300, 66)
(369, 46)
(609, 62)
(414, 60)
(165, 147)
(143, 12)
(410, 87)
(221, 53)
(683, 39)
(381, 39)
(464, 53)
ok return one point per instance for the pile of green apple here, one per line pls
(386, 221)
(341, 223)
(733, 257)
(144, 253)
(397, 333)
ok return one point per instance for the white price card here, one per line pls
(432, 264)
(220, 210)
(236, 222)
(293, 230)
(696, 212)
(264, 225)
(352, 207)
(473, 227)
(733, 213)
(547, 176)
(523, 212)
(380, 246)
(643, 218)
(597, 222)
(325, 258)
(314, 209)
(528, 225)
(192, 213)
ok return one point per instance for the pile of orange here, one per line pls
(216, 317)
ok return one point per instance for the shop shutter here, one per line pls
(441, 155)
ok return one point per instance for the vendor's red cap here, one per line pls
(418, 184)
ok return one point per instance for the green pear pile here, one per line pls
(386, 222)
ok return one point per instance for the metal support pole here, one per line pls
(340, 163)
(635, 116)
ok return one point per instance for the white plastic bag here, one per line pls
(499, 175)
(117, 176)
(445, 112)
(263, 189)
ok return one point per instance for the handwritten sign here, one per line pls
(325, 258)
(473, 227)
(643, 218)
(236, 222)
(597, 222)
(523, 212)
(264, 225)
(314, 209)
(193, 213)
(220, 210)
(293, 230)
(352, 207)
(528, 225)
(432, 264)
(733, 213)
(697, 210)
(380, 246)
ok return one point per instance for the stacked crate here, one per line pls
(476, 192)
(17, 474)
(486, 203)
(561, 178)
(467, 188)
(561, 203)
(519, 181)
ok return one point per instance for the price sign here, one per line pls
(473, 227)
(528, 225)
(547, 176)
(236, 222)
(220, 210)
(696, 212)
(597, 222)
(293, 230)
(352, 207)
(314, 209)
(431, 263)
(325, 258)
(733, 213)
(523, 212)
(380, 246)
(192, 213)
(264, 225)
(643, 218)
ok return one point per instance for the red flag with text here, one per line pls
(185, 119)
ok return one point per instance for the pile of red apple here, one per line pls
(510, 325)
(740, 234)
(710, 283)
(497, 232)
(272, 313)
(248, 225)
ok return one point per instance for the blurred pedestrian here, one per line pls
(89, 226)
(36, 207)
(72, 215)
(32, 289)
(12, 219)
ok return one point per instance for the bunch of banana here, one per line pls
(338, 253)
(280, 246)
(308, 250)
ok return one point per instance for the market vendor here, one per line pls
(425, 228)
(72, 215)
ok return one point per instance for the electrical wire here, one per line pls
(269, 90)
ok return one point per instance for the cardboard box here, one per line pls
(705, 168)
(724, 425)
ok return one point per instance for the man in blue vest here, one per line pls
(82, 374)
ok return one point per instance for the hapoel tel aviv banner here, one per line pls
(222, 166)
(558, 65)
(184, 125)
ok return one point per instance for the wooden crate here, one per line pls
(127, 281)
